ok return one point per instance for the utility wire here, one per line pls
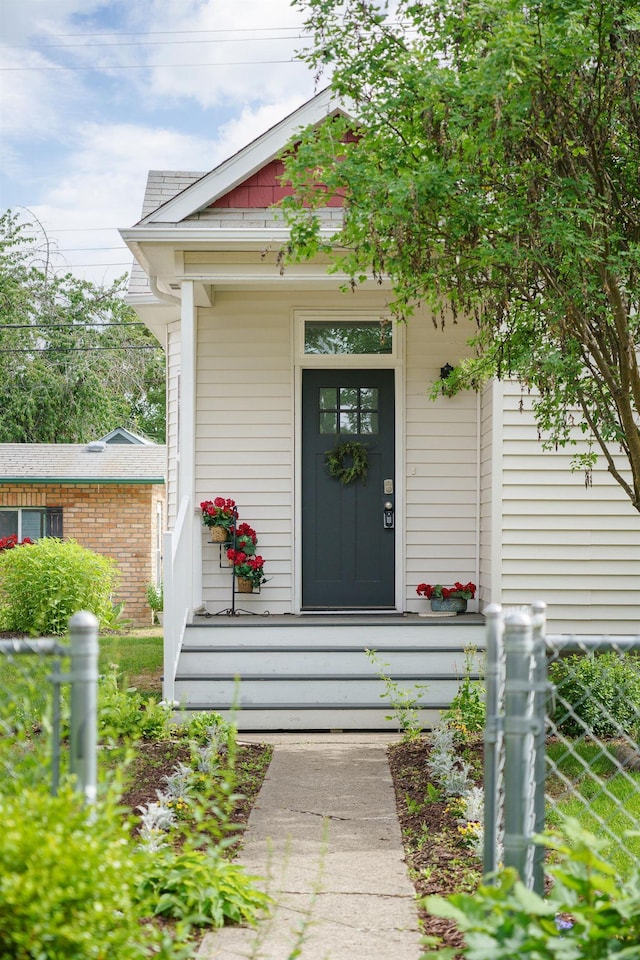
(74, 326)
(76, 349)
(156, 66)
(36, 47)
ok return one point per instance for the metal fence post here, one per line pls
(538, 610)
(494, 631)
(518, 746)
(83, 630)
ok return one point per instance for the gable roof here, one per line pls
(242, 165)
(122, 435)
(98, 462)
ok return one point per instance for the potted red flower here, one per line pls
(220, 516)
(249, 570)
(447, 599)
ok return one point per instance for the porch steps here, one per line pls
(313, 672)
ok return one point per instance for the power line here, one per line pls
(76, 349)
(152, 43)
(155, 66)
(75, 326)
(163, 33)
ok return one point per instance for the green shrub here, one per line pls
(201, 887)
(125, 714)
(601, 691)
(591, 913)
(467, 711)
(69, 883)
(43, 584)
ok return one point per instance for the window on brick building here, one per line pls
(31, 522)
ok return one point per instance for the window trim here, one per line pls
(350, 360)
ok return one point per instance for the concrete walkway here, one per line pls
(325, 835)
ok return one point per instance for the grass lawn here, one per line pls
(604, 800)
(138, 656)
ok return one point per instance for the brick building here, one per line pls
(108, 496)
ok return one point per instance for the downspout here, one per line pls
(161, 294)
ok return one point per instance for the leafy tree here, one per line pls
(74, 362)
(493, 175)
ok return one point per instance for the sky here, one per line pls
(95, 93)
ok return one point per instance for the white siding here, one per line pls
(441, 464)
(520, 524)
(575, 547)
(244, 436)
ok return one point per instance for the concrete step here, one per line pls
(314, 673)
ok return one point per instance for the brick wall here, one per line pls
(117, 520)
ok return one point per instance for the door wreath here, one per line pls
(348, 461)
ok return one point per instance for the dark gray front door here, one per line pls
(347, 551)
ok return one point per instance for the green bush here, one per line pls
(201, 887)
(591, 913)
(125, 714)
(43, 584)
(601, 693)
(69, 883)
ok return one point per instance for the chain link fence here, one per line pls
(48, 690)
(561, 740)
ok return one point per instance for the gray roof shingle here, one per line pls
(73, 462)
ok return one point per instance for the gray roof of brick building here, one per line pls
(98, 462)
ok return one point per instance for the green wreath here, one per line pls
(348, 461)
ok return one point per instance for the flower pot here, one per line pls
(218, 534)
(245, 585)
(450, 605)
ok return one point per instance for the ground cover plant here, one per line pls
(109, 863)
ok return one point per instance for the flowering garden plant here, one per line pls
(247, 566)
(8, 543)
(219, 512)
(245, 539)
(465, 591)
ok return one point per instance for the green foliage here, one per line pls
(404, 700)
(74, 361)
(467, 712)
(602, 693)
(491, 173)
(201, 887)
(69, 883)
(591, 913)
(126, 714)
(155, 597)
(43, 584)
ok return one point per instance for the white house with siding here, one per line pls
(268, 369)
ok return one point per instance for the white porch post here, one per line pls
(187, 434)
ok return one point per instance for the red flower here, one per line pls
(8, 543)
(465, 590)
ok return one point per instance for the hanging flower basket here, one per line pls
(219, 534)
(244, 585)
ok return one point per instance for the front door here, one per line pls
(347, 534)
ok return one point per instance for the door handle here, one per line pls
(388, 521)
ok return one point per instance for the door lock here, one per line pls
(388, 515)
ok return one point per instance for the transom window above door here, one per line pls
(329, 337)
(348, 410)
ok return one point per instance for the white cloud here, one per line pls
(249, 45)
(78, 143)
